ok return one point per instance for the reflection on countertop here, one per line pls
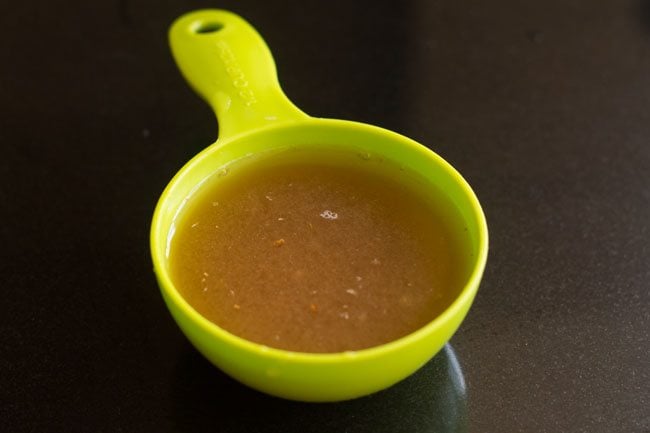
(431, 400)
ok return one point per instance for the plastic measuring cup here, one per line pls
(229, 65)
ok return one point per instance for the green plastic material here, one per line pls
(229, 65)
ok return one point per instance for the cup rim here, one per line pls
(464, 297)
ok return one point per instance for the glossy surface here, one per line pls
(318, 253)
(543, 106)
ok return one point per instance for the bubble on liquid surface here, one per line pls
(329, 215)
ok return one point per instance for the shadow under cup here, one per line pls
(332, 376)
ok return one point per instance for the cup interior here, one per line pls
(370, 144)
(322, 376)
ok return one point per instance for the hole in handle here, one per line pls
(207, 27)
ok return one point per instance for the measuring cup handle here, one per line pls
(228, 63)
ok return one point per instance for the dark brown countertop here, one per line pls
(544, 107)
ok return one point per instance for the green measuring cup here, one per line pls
(229, 65)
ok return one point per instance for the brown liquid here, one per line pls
(314, 257)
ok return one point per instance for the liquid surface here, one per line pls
(314, 257)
